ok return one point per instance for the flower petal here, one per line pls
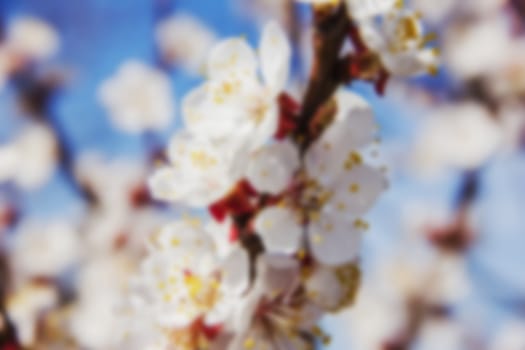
(163, 185)
(202, 117)
(279, 230)
(235, 270)
(334, 241)
(333, 287)
(353, 128)
(363, 10)
(190, 246)
(201, 170)
(271, 168)
(232, 55)
(356, 190)
(275, 54)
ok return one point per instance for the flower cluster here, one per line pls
(138, 98)
(286, 187)
(391, 33)
(27, 40)
(469, 125)
(29, 158)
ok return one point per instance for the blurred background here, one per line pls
(90, 93)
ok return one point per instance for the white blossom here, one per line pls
(362, 10)
(400, 42)
(384, 318)
(184, 40)
(140, 331)
(462, 136)
(435, 13)
(200, 171)
(278, 323)
(30, 159)
(45, 249)
(270, 168)
(339, 189)
(113, 193)
(234, 102)
(25, 308)
(333, 288)
(31, 38)
(463, 42)
(100, 285)
(283, 248)
(183, 278)
(138, 98)
(441, 334)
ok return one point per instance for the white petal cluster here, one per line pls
(392, 32)
(464, 42)
(113, 242)
(234, 96)
(229, 118)
(26, 40)
(30, 159)
(282, 248)
(41, 252)
(33, 38)
(45, 251)
(462, 136)
(203, 166)
(400, 41)
(184, 40)
(187, 279)
(25, 308)
(138, 98)
(339, 189)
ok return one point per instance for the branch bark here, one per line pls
(7, 331)
(330, 31)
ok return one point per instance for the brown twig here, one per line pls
(36, 95)
(330, 31)
(7, 331)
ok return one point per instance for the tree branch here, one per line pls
(330, 31)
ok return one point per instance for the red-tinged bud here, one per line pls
(200, 328)
(286, 127)
(288, 111)
(120, 241)
(140, 196)
(354, 68)
(455, 238)
(355, 38)
(234, 234)
(381, 82)
(211, 332)
(8, 217)
(288, 104)
(247, 188)
(218, 210)
(237, 202)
